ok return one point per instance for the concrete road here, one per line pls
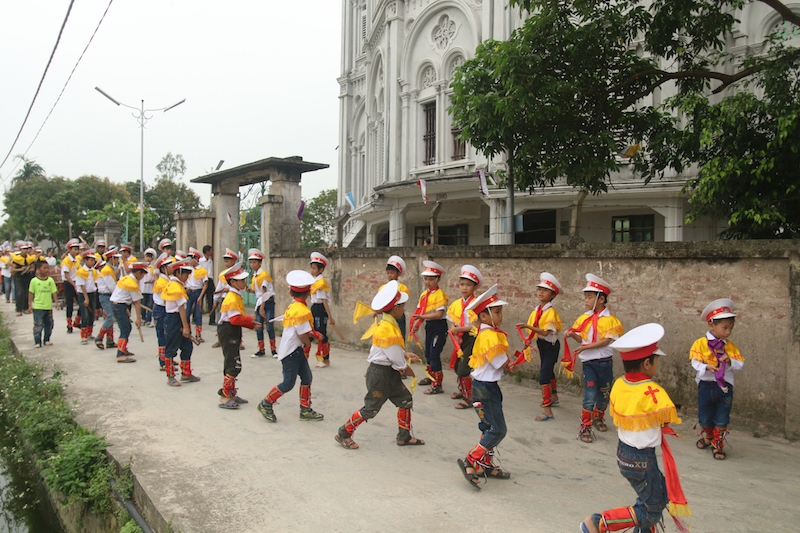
(207, 469)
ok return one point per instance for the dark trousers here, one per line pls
(120, 312)
(320, 321)
(490, 411)
(8, 283)
(175, 339)
(42, 322)
(435, 337)
(384, 383)
(269, 310)
(295, 364)
(70, 297)
(21, 283)
(193, 308)
(714, 405)
(147, 301)
(548, 356)
(229, 339)
(159, 314)
(210, 303)
(86, 312)
(462, 364)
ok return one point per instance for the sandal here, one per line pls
(99, 344)
(410, 441)
(463, 405)
(347, 443)
(496, 472)
(172, 382)
(719, 455)
(433, 390)
(703, 443)
(456, 396)
(229, 404)
(240, 400)
(544, 418)
(126, 359)
(586, 435)
(472, 478)
(600, 424)
(425, 381)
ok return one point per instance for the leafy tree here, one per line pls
(30, 169)
(318, 225)
(171, 167)
(559, 96)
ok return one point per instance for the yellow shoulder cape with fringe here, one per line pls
(436, 299)
(160, 285)
(549, 316)
(233, 302)
(703, 353)
(488, 344)
(173, 292)
(320, 285)
(259, 279)
(641, 405)
(387, 333)
(83, 273)
(108, 270)
(607, 326)
(127, 283)
(456, 309)
(200, 273)
(296, 314)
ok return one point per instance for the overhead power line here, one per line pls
(44, 74)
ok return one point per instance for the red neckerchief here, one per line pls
(635, 377)
(464, 313)
(537, 316)
(569, 360)
(423, 305)
(299, 300)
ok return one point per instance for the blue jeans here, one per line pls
(147, 300)
(640, 468)
(175, 339)
(295, 364)
(108, 309)
(42, 321)
(159, 313)
(269, 310)
(597, 377)
(492, 422)
(548, 356)
(194, 308)
(713, 405)
(120, 313)
(435, 337)
(8, 288)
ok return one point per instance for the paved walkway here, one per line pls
(209, 470)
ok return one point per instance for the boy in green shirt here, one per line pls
(42, 296)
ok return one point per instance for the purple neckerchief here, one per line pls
(718, 348)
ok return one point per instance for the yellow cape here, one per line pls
(641, 405)
(488, 345)
(296, 314)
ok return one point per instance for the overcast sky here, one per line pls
(258, 76)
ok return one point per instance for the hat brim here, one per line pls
(243, 275)
(403, 298)
(720, 316)
(432, 274)
(497, 303)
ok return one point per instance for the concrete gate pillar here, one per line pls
(225, 205)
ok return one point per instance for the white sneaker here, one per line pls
(321, 364)
(274, 356)
(37, 345)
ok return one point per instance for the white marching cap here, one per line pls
(255, 253)
(235, 272)
(471, 273)
(151, 252)
(640, 342)
(432, 269)
(182, 264)
(299, 280)
(549, 281)
(485, 300)
(718, 309)
(317, 257)
(388, 297)
(164, 242)
(397, 262)
(597, 284)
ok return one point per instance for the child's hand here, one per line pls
(186, 332)
(412, 358)
(712, 368)
(332, 321)
(512, 367)
(724, 359)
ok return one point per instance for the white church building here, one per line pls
(398, 58)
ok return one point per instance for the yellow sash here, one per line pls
(173, 292)
(259, 279)
(108, 270)
(128, 283)
(83, 273)
(233, 302)
(436, 299)
(456, 309)
(607, 326)
(160, 284)
(387, 333)
(200, 273)
(320, 285)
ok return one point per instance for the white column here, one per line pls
(497, 217)
(673, 214)
(397, 226)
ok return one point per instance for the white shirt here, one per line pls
(493, 370)
(290, 341)
(173, 306)
(106, 284)
(88, 282)
(195, 284)
(50, 261)
(265, 291)
(66, 269)
(157, 299)
(220, 290)
(147, 281)
(226, 316)
(208, 264)
(593, 354)
(121, 296)
(705, 375)
(649, 438)
(319, 296)
(552, 336)
(7, 268)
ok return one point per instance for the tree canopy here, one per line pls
(318, 225)
(563, 96)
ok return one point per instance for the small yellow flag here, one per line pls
(361, 311)
(367, 334)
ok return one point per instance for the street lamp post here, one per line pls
(141, 116)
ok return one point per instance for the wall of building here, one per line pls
(668, 283)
